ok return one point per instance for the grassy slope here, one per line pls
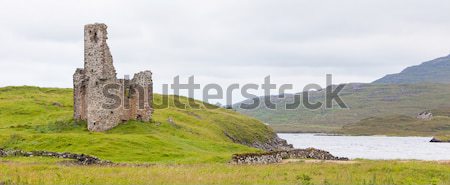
(363, 100)
(27, 171)
(398, 125)
(32, 118)
(443, 138)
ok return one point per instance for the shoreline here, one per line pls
(362, 135)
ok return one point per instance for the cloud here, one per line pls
(224, 41)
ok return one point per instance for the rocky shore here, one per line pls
(273, 144)
(278, 156)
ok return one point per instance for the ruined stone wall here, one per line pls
(257, 158)
(278, 156)
(91, 104)
(425, 116)
(140, 90)
(79, 94)
(81, 159)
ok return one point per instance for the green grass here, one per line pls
(304, 128)
(33, 118)
(363, 101)
(444, 138)
(362, 172)
(398, 125)
(34, 160)
(33, 106)
(192, 150)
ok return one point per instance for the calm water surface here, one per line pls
(373, 147)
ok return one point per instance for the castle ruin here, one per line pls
(102, 100)
(425, 115)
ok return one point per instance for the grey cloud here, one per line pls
(224, 40)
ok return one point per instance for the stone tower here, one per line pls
(99, 97)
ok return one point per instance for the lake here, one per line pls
(373, 147)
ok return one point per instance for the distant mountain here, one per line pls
(434, 71)
(388, 99)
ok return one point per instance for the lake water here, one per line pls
(373, 147)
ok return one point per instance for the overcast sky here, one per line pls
(224, 42)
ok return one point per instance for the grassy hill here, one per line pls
(363, 101)
(434, 71)
(398, 125)
(33, 118)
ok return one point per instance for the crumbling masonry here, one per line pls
(99, 97)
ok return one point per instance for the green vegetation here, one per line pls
(192, 149)
(22, 106)
(33, 118)
(362, 172)
(364, 101)
(443, 138)
(398, 126)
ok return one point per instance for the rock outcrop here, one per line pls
(273, 144)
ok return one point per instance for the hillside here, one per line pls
(363, 101)
(434, 71)
(398, 125)
(33, 118)
(415, 89)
